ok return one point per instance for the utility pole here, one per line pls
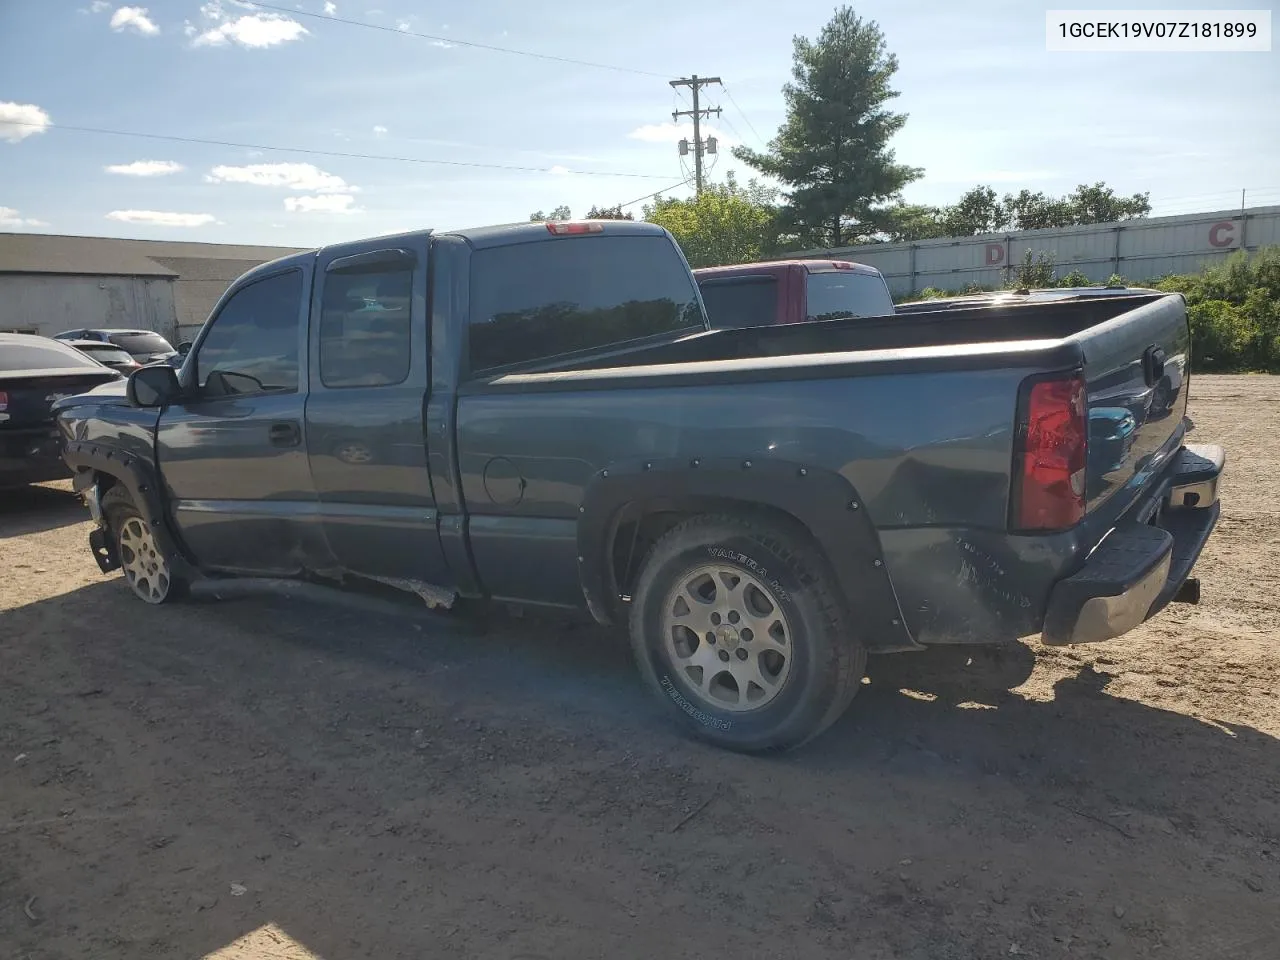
(696, 83)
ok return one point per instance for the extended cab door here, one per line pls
(366, 437)
(232, 452)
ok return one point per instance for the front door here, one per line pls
(369, 377)
(233, 454)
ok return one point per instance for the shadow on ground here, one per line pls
(379, 787)
(36, 508)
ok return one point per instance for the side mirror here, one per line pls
(153, 386)
(184, 348)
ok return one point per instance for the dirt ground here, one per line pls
(267, 779)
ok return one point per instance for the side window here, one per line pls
(252, 346)
(741, 301)
(365, 330)
(545, 298)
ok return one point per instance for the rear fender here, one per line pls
(823, 501)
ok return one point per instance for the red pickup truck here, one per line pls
(792, 291)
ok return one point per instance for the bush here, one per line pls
(1076, 278)
(1234, 310)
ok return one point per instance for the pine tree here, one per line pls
(832, 151)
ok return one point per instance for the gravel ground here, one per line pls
(268, 779)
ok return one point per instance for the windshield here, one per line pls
(105, 353)
(142, 343)
(42, 356)
(842, 293)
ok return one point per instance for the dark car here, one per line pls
(541, 415)
(145, 346)
(35, 372)
(107, 354)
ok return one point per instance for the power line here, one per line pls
(696, 83)
(329, 153)
(742, 113)
(454, 41)
(655, 193)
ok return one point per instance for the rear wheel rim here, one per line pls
(726, 634)
(144, 565)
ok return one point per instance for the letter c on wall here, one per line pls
(1222, 234)
(995, 254)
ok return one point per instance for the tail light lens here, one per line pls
(4, 401)
(1049, 462)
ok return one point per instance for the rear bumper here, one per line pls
(1141, 566)
(31, 456)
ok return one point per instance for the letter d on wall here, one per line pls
(995, 254)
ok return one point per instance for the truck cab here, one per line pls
(792, 291)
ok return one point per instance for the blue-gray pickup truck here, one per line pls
(540, 414)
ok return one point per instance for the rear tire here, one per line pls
(738, 628)
(146, 568)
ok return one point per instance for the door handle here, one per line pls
(284, 434)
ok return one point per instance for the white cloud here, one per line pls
(324, 203)
(330, 8)
(21, 120)
(9, 217)
(403, 25)
(145, 168)
(295, 176)
(135, 17)
(379, 131)
(162, 218)
(255, 31)
(559, 171)
(669, 132)
(99, 5)
(189, 29)
(442, 44)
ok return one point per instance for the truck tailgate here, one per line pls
(1136, 366)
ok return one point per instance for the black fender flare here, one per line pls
(89, 458)
(823, 501)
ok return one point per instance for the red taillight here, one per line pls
(561, 228)
(1049, 465)
(4, 401)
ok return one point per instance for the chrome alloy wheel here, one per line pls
(145, 567)
(725, 632)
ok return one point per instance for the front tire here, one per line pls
(147, 570)
(738, 628)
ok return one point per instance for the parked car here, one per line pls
(145, 346)
(792, 291)
(108, 354)
(35, 372)
(544, 417)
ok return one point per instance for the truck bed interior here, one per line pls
(1036, 321)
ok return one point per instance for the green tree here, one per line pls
(1036, 271)
(978, 211)
(559, 213)
(729, 223)
(914, 221)
(608, 213)
(832, 152)
(1099, 204)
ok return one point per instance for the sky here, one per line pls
(986, 104)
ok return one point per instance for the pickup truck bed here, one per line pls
(851, 486)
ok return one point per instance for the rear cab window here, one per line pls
(546, 298)
(105, 353)
(741, 301)
(834, 294)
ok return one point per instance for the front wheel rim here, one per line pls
(727, 636)
(145, 567)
